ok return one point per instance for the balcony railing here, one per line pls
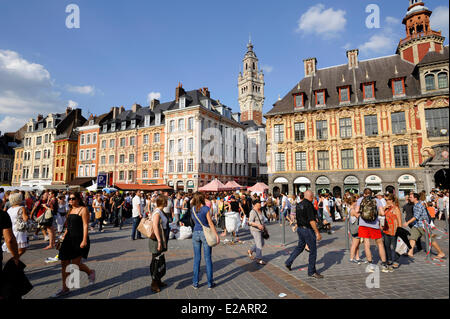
(419, 35)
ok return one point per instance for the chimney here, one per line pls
(154, 103)
(115, 111)
(310, 66)
(68, 110)
(122, 109)
(205, 92)
(91, 117)
(135, 107)
(179, 92)
(40, 117)
(352, 56)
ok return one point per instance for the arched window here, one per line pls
(443, 80)
(429, 82)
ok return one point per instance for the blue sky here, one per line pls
(125, 50)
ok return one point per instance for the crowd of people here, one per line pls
(66, 219)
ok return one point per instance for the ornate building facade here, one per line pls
(364, 123)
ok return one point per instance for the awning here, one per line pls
(258, 188)
(82, 181)
(214, 186)
(302, 180)
(280, 180)
(139, 187)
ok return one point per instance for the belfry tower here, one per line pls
(420, 39)
(251, 88)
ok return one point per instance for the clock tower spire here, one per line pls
(251, 87)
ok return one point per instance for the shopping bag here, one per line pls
(244, 224)
(185, 233)
(401, 248)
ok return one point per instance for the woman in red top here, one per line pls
(392, 221)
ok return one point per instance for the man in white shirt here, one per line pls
(168, 210)
(178, 207)
(327, 218)
(285, 206)
(137, 215)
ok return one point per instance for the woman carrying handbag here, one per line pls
(203, 235)
(158, 244)
(258, 231)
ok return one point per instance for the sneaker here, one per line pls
(92, 277)
(195, 287)
(391, 268)
(355, 261)
(46, 238)
(61, 293)
(288, 267)
(317, 276)
(384, 268)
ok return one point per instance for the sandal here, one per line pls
(250, 255)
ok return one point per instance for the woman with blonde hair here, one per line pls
(19, 217)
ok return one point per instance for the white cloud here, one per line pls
(347, 46)
(439, 20)
(87, 89)
(379, 43)
(267, 68)
(153, 95)
(392, 21)
(11, 124)
(72, 104)
(321, 21)
(26, 89)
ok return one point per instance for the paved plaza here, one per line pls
(122, 268)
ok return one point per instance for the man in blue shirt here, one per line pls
(420, 216)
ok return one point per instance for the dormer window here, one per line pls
(147, 120)
(49, 124)
(369, 91)
(182, 102)
(124, 125)
(113, 127)
(91, 122)
(320, 98)
(398, 87)
(158, 119)
(105, 128)
(133, 123)
(299, 100)
(344, 94)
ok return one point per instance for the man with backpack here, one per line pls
(417, 231)
(368, 209)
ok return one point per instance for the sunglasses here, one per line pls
(72, 198)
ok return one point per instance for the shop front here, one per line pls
(351, 184)
(374, 183)
(322, 185)
(301, 185)
(406, 184)
(281, 186)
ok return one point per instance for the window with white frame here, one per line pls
(171, 145)
(190, 165)
(279, 162)
(190, 123)
(94, 138)
(180, 145)
(122, 141)
(171, 126)
(156, 138)
(88, 139)
(156, 173)
(171, 166)
(82, 155)
(93, 170)
(279, 133)
(191, 144)
(145, 139)
(123, 125)
(88, 155)
(181, 125)
(111, 159)
(122, 158)
(145, 157)
(81, 171)
(147, 120)
(112, 142)
(103, 160)
(300, 161)
(144, 173)
(93, 154)
(132, 140)
(82, 139)
(180, 166)
(156, 156)
(103, 144)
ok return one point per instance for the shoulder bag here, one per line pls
(209, 234)
(265, 233)
(146, 226)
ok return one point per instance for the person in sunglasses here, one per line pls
(76, 242)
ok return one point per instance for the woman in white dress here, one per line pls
(15, 212)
